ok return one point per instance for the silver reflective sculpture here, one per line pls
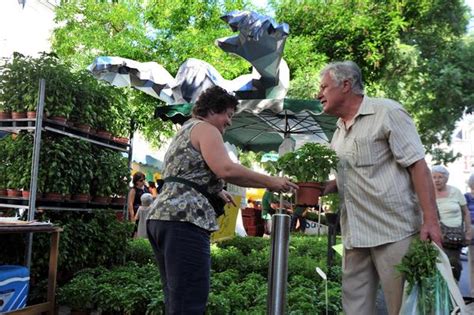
(260, 41)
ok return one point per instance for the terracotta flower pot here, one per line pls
(18, 115)
(119, 200)
(83, 127)
(31, 115)
(104, 134)
(3, 192)
(5, 115)
(101, 199)
(13, 193)
(123, 140)
(25, 194)
(81, 197)
(59, 119)
(308, 193)
(53, 196)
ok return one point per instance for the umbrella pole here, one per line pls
(278, 269)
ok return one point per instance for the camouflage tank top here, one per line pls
(179, 202)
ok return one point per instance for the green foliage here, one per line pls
(16, 158)
(129, 289)
(81, 167)
(139, 251)
(332, 202)
(78, 291)
(238, 279)
(56, 158)
(18, 84)
(146, 32)
(411, 51)
(312, 162)
(87, 240)
(419, 263)
(418, 267)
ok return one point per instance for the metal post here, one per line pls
(278, 269)
(331, 219)
(130, 161)
(35, 165)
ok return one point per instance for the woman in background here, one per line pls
(470, 205)
(135, 194)
(452, 211)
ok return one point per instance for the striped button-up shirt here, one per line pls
(379, 204)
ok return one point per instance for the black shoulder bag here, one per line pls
(216, 202)
(453, 237)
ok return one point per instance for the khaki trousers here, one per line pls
(364, 268)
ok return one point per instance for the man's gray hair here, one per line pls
(441, 170)
(146, 199)
(345, 70)
(470, 181)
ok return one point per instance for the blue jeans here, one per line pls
(183, 253)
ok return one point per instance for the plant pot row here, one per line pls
(63, 121)
(17, 115)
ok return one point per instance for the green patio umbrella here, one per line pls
(262, 125)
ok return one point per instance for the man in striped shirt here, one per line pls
(385, 186)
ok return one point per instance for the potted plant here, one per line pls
(83, 113)
(59, 98)
(5, 112)
(120, 180)
(309, 166)
(82, 171)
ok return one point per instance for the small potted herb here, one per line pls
(309, 166)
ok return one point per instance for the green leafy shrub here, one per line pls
(139, 250)
(88, 240)
(239, 274)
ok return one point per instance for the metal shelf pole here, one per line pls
(35, 166)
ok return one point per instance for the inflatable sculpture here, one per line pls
(260, 41)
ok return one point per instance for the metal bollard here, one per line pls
(278, 269)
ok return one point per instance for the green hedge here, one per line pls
(88, 240)
(238, 280)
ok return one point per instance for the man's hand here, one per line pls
(227, 197)
(468, 236)
(431, 231)
(329, 187)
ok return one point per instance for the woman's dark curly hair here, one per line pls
(214, 99)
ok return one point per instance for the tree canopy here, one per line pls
(414, 51)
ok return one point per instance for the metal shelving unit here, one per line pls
(37, 126)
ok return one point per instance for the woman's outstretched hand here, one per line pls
(282, 184)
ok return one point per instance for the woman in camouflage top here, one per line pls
(181, 218)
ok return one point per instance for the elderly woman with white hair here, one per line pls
(470, 205)
(453, 212)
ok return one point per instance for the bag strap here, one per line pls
(199, 188)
